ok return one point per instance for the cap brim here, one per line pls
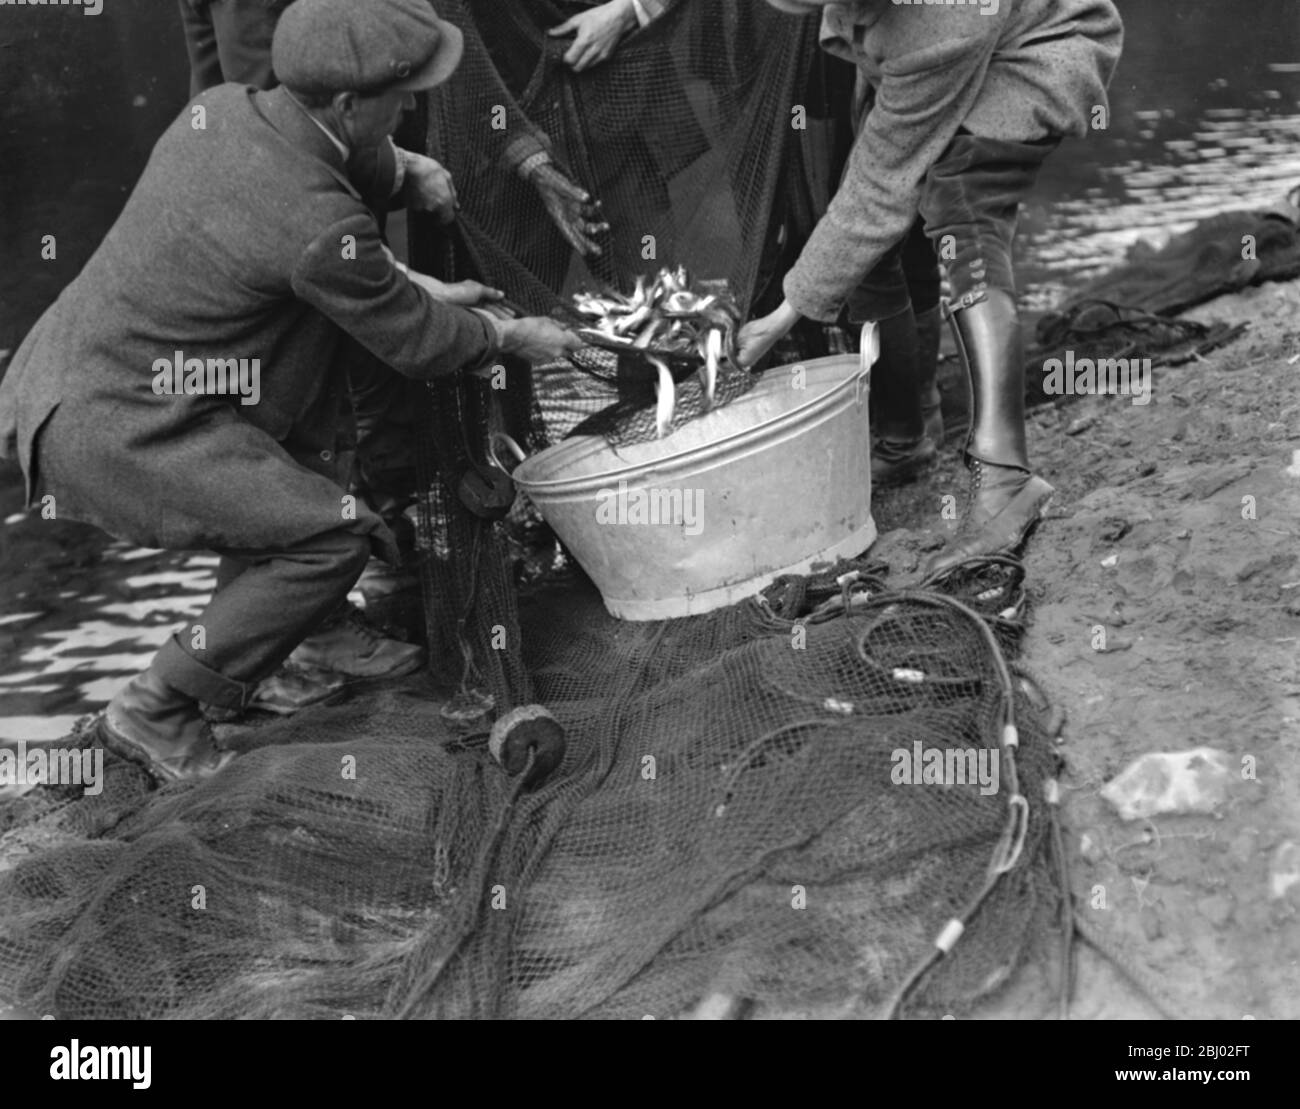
(438, 68)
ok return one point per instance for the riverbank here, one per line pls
(1165, 590)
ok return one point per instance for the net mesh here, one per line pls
(730, 818)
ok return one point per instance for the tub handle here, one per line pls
(869, 348)
(505, 440)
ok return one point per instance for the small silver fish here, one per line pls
(709, 371)
(665, 396)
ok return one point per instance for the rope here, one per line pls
(479, 877)
(1146, 985)
(1008, 850)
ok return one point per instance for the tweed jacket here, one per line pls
(243, 239)
(1004, 69)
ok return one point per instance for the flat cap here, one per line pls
(328, 46)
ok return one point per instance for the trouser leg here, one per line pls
(259, 616)
(248, 628)
(900, 448)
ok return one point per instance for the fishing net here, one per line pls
(711, 138)
(749, 803)
(738, 813)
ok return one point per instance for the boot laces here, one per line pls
(368, 631)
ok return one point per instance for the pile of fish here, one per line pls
(670, 317)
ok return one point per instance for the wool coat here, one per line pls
(244, 239)
(1019, 70)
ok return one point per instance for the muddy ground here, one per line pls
(1165, 590)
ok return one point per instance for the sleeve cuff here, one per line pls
(523, 148)
(647, 11)
(496, 333)
(822, 309)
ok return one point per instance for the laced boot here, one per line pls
(352, 647)
(1007, 500)
(158, 727)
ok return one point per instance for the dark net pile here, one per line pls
(725, 820)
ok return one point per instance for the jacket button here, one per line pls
(327, 456)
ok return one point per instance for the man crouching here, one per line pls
(245, 241)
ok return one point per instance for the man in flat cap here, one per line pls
(185, 390)
(230, 41)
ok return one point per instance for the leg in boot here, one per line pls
(900, 449)
(970, 201)
(920, 265)
(927, 373)
(247, 629)
(1007, 500)
(151, 722)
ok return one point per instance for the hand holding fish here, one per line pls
(759, 336)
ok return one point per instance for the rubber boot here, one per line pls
(158, 727)
(927, 373)
(1007, 500)
(900, 449)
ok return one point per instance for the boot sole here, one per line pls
(132, 752)
(1037, 494)
(402, 671)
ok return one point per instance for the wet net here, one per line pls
(750, 806)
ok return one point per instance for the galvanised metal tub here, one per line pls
(773, 483)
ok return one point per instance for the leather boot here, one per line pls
(158, 727)
(900, 448)
(1007, 500)
(352, 647)
(927, 373)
